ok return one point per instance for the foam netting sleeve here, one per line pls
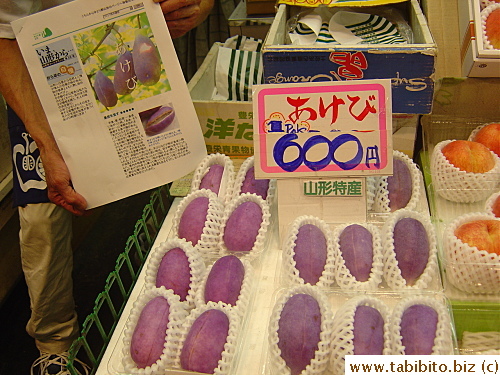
(227, 179)
(343, 275)
(319, 363)
(177, 314)
(392, 272)
(443, 340)
(381, 199)
(207, 244)
(262, 235)
(343, 330)
(485, 13)
(468, 268)
(372, 183)
(196, 266)
(488, 207)
(476, 130)
(290, 273)
(245, 292)
(481, 342)
(485, 3)
(226, 363)
(456, 185)
(240, 177)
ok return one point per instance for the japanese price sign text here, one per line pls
(323, 129)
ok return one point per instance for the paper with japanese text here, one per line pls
(113, 91)
(319, 129)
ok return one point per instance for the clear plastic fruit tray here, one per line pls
(468, 274)
(338, 308)
(247, 340)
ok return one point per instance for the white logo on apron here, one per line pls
(28, 164)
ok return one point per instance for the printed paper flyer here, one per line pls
(113, 91)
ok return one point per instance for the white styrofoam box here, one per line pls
(477, 61)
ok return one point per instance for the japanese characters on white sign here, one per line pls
(323, 129)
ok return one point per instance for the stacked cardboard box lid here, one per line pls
(409, 66)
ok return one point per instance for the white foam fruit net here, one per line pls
(343, 275)
(468, 268)
(485, 3)
(343, 330)
(474, 132)
(177, 314)
(226, 363)
(490, 201)
(456, 185)
(487, 342)
(381, 199)
(243, 299)
(240, 177)
(392, 272)
(196, 265)
(319, 363)
(262, 235)
(227, 179)
(290, 274)
(207, 245)
(372, 183)
(443, 341)
(485, 13)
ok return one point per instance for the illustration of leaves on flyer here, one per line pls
(122, 62)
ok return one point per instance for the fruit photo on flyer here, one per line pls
(122, 62)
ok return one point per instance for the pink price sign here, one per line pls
(323, 129)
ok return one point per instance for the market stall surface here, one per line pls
(95, 251)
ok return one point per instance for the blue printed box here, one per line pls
(409, 66)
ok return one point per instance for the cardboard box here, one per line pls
(467, 98)
(227, 125)
(261, 6)
(409, 66)
(241, 24)
(477, 61)
(442, 17)
(404, 133)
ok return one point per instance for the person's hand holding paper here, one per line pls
(184, 15)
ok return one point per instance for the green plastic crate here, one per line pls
(99, 325)
(475, 317)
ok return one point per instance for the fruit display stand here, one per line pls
(109, 320)
(477, 311)
(98, 327)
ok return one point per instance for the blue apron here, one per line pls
(29, 184)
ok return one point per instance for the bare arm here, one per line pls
(17, 88)
(184, 15)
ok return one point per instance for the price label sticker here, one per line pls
(323, 129)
